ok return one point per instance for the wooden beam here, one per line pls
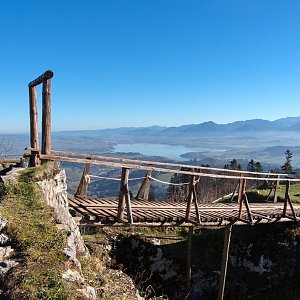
(46, 117)
(83, 184)
(139, 167)
(189, 199)
(228, 231)
(45, 76)
(34, 140)
(166, 164)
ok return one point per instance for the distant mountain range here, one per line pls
(238, 128)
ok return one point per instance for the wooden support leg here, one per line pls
(189, 264)
(121, 205)
(228, 230)
(287, 200)
(46, 117)
(34, 142)
(240, 195)
(83, 184)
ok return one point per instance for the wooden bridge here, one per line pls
(139, 211)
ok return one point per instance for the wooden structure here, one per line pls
(126, 211)
(45, 80)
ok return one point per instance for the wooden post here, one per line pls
(240, 197)
(124, 197)
(145, 187)
(189, 264)
(34, 141)
(287, 200)
(228, 230)
(189, 199)
(46, 117)
(83, 184)
(276, 191)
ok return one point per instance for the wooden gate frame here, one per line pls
(45, 79)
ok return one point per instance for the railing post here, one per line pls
(189, 199)
(124, 197)
(145, 187)
(83, 184)
(276, 190)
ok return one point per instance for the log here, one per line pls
(145, 187)
(83, 184)
(139, 167)
(165, 164)
(45, 76)
(46, 118)
(34, 140)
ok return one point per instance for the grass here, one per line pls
(38, 243)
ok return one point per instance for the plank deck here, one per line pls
(103, 212)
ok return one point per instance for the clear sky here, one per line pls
(146, 62)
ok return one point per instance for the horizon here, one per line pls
(138, 63)
(155, 125)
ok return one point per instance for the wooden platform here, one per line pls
(103, 212)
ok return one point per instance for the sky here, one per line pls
(150, 62)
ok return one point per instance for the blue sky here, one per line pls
(146, 62)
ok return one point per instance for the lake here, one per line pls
(170, 151)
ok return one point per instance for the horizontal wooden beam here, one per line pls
(139, 167)
(161, 163)
(47, 75)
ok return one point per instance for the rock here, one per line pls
(5, 266)
(73, 276)
(3, 223)
(3, 239)
(91, 294)
(6, 252)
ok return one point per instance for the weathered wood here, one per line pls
(189, 199)
(145, 187)
(83, 184)
(34, 141)
(198, 219)
(286, 197)
(139, 167)
(121, 205)
(46, 117)
(189, 263)
(228, 231)
(240, 196)
(276, 192)
(168, 164)
(45, 76)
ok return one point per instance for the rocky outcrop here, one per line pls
(6, 252)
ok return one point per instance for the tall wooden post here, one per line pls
(46, 117)
(34, 141)
(189, 264)
(228, 230)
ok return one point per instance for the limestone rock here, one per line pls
(3, 223)
(73, 276)
(3, 239)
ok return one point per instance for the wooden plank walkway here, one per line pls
(103, 212)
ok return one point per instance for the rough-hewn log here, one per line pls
(167, 164)
(276, 192)
(46, 117)
(139, 167)
(45, 76)
(34, 141)
(83, 184)
(145, 187)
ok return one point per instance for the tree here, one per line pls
(258, 167)
(287, 166)
(251, 166)
(234, 165)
